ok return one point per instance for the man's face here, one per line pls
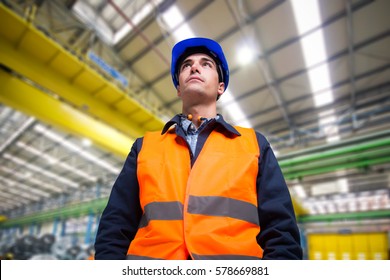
(198, 79)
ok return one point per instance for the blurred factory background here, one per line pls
(81, 79)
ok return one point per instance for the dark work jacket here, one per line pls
(279, 236)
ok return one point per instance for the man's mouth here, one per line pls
(194, 78)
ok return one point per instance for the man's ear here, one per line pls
(221, 89)
(178, 91)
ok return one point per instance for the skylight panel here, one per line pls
(308, 18)
(136, 19)
(172, 17)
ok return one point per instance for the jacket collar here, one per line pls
(177, 119)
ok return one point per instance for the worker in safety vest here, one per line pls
(200, 188)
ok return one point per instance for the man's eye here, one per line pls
(185, 65)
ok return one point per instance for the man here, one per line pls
(200, 189)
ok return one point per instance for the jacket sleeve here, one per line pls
(119, 221)
(279, 234)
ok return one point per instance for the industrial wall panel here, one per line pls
(348, 246)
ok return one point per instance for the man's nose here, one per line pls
(195, 67)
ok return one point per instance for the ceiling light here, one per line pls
(52, 161)
(245, 55)
(306, 14)
(314, 47)
(173, 18)
(183, 32)
(86, 142)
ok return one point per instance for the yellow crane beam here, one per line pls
(28, 99)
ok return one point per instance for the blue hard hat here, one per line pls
(199, 45)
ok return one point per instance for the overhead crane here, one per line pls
(69, 93)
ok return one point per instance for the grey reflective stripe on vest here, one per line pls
(162, 211)
(223, 206)
(135, 257)
(223, 257)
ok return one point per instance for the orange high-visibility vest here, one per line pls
(208, 211)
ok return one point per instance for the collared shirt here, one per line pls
(191, 132)
(196, 141)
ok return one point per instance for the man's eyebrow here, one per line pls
(186, 60)
(208, 59)
(203, 58)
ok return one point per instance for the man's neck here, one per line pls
(197, 113)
